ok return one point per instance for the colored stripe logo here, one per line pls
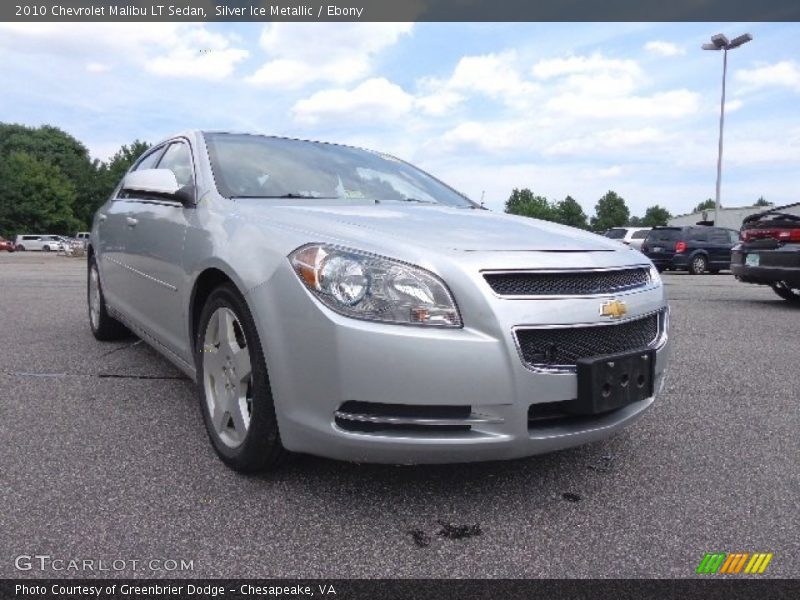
(733, 564)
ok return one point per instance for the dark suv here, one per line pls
(694, 248)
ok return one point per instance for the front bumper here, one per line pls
(319, 360)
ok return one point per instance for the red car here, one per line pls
(6, 245)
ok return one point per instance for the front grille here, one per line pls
(563, 346)
(567, 283)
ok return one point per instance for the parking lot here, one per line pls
(105, 457)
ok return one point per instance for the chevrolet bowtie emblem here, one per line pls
(614, 309)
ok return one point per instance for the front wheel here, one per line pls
(235, 394)
(698, 265)
(46, 248)
(787, 292)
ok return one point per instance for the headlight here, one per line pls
(655, 276)
(366, 286)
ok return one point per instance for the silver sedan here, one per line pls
(341, 302)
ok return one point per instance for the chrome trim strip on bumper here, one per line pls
(473, 419)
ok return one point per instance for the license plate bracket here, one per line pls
(612, 381)
(751, 260)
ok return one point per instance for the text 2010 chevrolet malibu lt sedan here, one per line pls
(340, 302)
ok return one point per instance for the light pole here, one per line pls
(721, 42)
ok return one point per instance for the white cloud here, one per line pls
(96, 67)
(612, 139)
(660, 48)
(675, 103)
(186, 50)
(496, 76)
(781, 74)
(488, 136)
(373, 100)
(593, 65)
(340, 53)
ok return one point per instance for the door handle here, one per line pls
(131, 221)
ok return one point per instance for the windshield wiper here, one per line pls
(418, 201)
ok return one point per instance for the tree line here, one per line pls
(50, 184)
(610, 211)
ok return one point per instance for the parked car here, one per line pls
(341, 302)
(82, 237)
(6, 245)
(630, 236)
(770, 253)
(44, 242)
(694, 248)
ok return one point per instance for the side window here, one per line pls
(178, 159)
(698, 236)
(720, 236)
(149, 161)
(639, 235)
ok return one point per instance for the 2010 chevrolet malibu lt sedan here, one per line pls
(340, 302)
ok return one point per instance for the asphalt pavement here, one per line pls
(105, 458)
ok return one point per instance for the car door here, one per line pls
(113, 233)
(720, 248)
(155, 254)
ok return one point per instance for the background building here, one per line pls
(730, 217)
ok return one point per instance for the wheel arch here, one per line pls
(209, 279)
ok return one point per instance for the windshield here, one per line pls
(265, 167)
(664, 235)
(615, 234)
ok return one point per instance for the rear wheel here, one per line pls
(104, 327)
(787, 292)
(46, 248)
(698, 265)
(21, 248)
(233, 382)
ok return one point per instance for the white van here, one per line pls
(42, 242)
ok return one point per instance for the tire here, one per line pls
(786, 292)
(698, 265)
(233, 385)
(46, 249)
(104, 327)
(21, 248)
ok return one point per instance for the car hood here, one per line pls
(437, 227)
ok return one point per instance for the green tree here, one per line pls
(50, 145)
(109, 174)
(569, 212)
(655, 215)
(610, 211)
(705, 205)
(524, 203)
(761, 202)
(635, 222)
(35, 196)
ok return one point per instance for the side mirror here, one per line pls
(158, 182)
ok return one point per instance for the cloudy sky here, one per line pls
(560, 108)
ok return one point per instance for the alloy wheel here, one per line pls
(227, 377)
(94, 297)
